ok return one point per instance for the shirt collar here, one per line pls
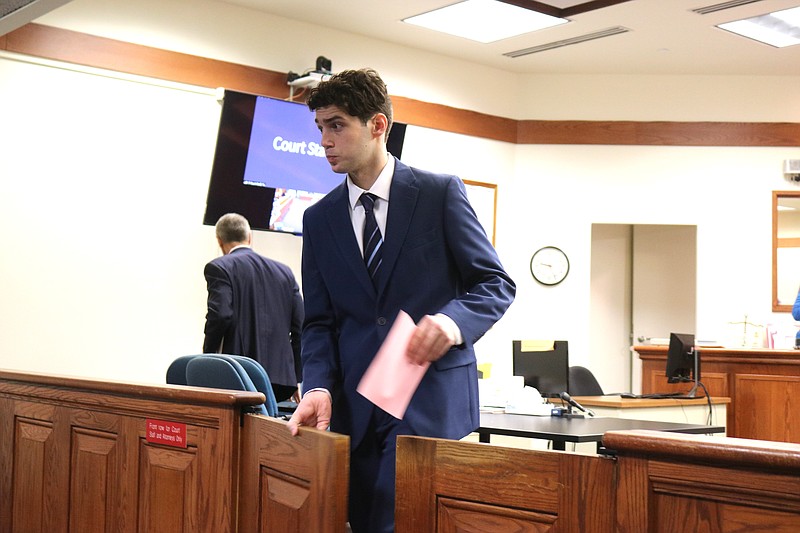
(380, 188)
(237, 247)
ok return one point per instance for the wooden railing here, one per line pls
(94, 456)
(449, 486)
(657, 482)
(669, 482)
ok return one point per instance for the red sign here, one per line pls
(167, 433)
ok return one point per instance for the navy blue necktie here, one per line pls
(373, 241)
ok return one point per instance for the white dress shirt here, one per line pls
(380, 189)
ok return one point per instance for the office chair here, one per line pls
(261, 381)
(583, 383)
(176, 372)
(222, 371)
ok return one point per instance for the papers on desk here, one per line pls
(494, 393)
(510, 395)
(528, 401)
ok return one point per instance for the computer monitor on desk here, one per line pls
(544, 365)
(683, 361)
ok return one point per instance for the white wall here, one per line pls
(103, 183)
(102, 198)
(557, 192)
(610, 305)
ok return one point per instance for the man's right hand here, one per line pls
(313, 410)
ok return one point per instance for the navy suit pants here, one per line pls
(372, 475)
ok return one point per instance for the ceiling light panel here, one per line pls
(779, 29)
(484, 21)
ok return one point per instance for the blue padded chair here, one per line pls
(232, 372)
(261, 381)
(220, 372)
(176, 373)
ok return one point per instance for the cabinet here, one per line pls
(763, 385)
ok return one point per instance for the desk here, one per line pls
(763, 386)
(688, 410)
(563, 430)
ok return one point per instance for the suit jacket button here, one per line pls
(381, 321)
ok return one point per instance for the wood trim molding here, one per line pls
(659, 133)
(89, 50)
(99, 52)
(762, 454)
(454, 120)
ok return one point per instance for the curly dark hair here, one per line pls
(361, 93)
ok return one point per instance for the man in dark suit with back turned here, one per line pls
(254, 307)
(434, 262)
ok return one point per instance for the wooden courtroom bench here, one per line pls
(657, 482)
(449, 486)
(668, 482)
(95, 456)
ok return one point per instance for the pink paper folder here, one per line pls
(391, 379)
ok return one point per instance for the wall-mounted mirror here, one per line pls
(785, 249)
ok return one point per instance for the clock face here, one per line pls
(549, 265)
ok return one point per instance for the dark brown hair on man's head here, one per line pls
(360, 93)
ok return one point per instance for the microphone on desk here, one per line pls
(570, 400)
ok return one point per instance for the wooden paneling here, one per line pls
(292, 484)
(767, 406)
(80, 461)
(452, 486)
(78, 48)
(93, 483)
(31, 500)
(169, 492)
(763, 385)
(659, 482)
(668, 482)
(441, 117)
(655, 379)
(89, 50)
(75, 456)
(659, 133)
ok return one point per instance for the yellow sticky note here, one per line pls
(537, 346)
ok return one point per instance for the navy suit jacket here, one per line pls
(255, 309)
(436, 259)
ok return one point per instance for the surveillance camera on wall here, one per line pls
(791, 170)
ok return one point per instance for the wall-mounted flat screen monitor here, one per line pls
(544, 365)
(269, 165)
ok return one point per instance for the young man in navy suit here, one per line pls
(254, 307)
(436, 264)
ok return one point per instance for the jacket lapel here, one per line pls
(341, 227)
(402, 202)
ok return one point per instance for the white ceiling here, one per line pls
(666, 37)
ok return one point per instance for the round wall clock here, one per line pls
(549, 265)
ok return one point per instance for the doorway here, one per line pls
(643, 287)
